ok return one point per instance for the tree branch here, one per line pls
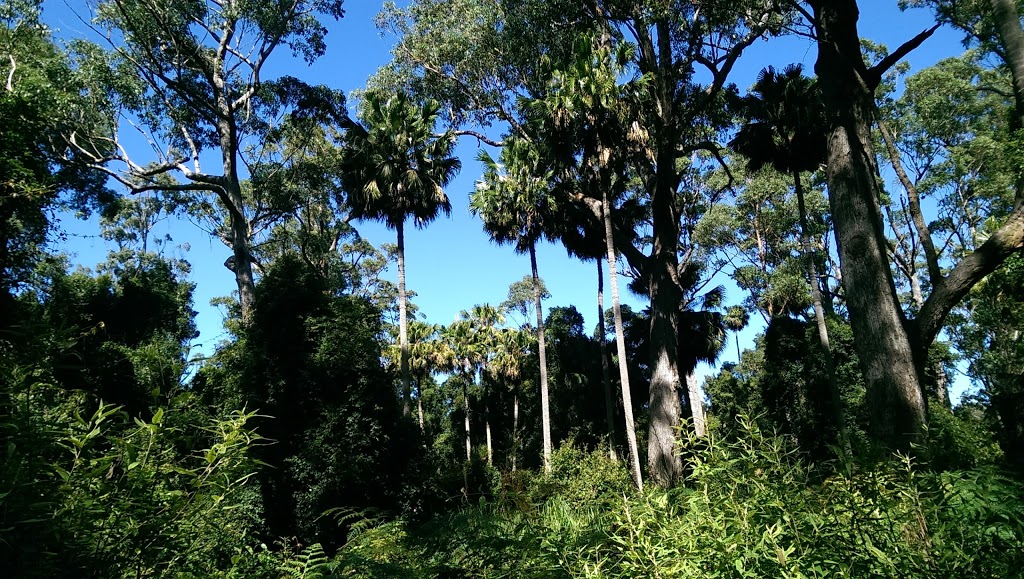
(914, 198)
(1006, 241)
(874, 74)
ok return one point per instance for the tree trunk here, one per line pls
(515, 428)
(465, 408)
(545, 416)
(883, 344)
(663, 461)
(487, 431)
(696, 404)
(419, 405)
(620, 343)
(232, 198)
(819, 316)
(1011, 36)
(605, 373)
(403, 323)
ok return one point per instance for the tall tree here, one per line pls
(785, 128)
(191, 74)
(589, 105)
(515, 201)
(395, 168)
(892, 349)
(457, 51)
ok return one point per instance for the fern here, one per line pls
(311, 563)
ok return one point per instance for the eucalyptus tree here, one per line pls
(190, 77)
(41, 98)
(517, 204)
(784, 128)
(395, 168)
(892, 348)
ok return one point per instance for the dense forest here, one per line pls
(871, 217)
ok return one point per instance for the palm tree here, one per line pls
(736, 318)
(785, 128)
(394, 168)
(514, 198)
(476, 337)
(428, 353)
(588, 101)
(511, 346)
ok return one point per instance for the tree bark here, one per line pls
(605, 373)
(696, 404)
(620, 343)
(663, 461)
(232, 198)
(545, 415)
(1011, 36)
(883, 344)
(403, 323)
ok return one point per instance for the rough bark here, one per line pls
(605, 372)
(883, 344)
(1011, 36)
(545, 415)
(663, 461)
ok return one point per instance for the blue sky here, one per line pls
(452, 265)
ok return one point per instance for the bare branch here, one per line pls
(874, 74)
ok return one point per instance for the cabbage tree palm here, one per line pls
(588, 101)
(785, 128)
(515, 200)
(394, 168)
(428, 354)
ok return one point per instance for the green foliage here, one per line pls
(311, 563)
(749, 508)
(311, 362)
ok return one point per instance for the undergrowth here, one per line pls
(751, 507)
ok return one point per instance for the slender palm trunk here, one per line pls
(819, 317)
(545, 415)
(736, 336)
(419, 404)
(605, 373)
(620, 343)
(696, 404)
(465, 408)
(515, 428)
(487, 427)
(403, 323)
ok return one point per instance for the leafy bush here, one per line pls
(751, 507)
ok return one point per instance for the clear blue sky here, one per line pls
(452, 265)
